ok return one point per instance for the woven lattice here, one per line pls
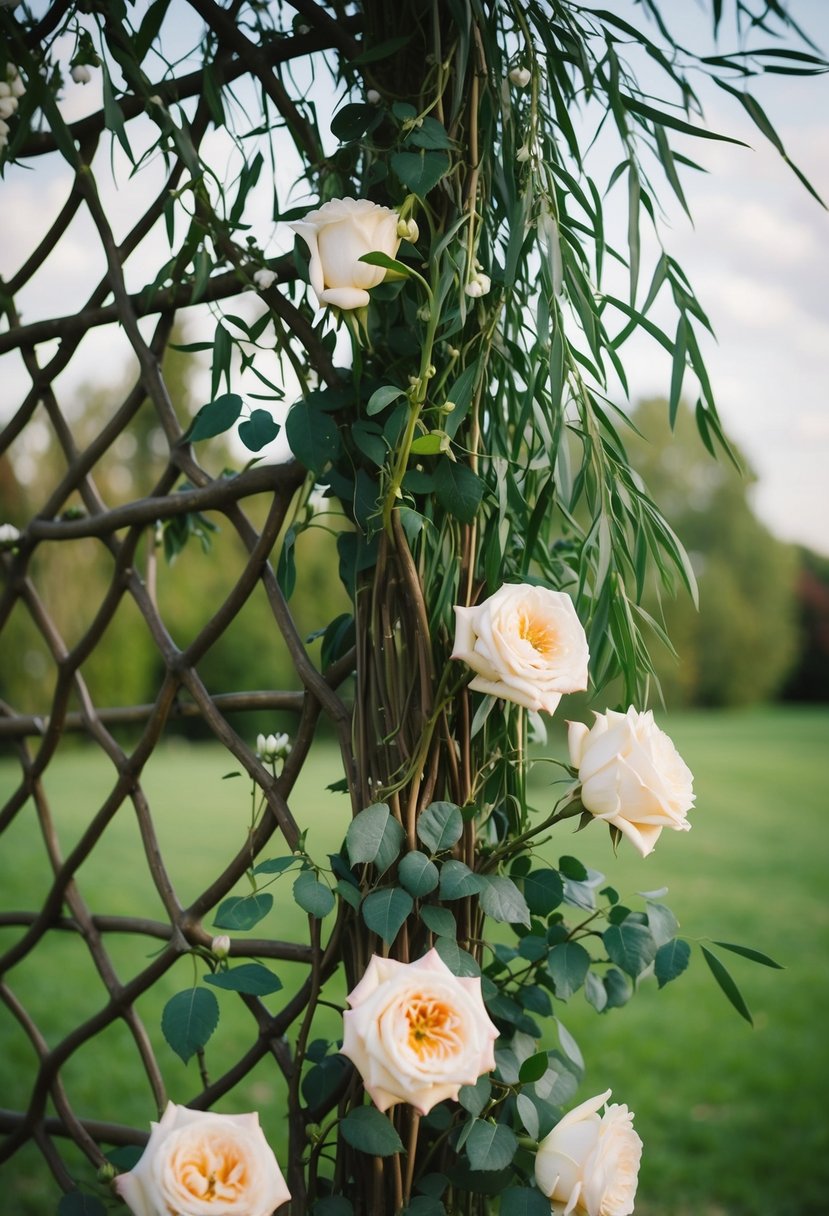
(74, 512)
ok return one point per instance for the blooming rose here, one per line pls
(526, 644)
(416, 1032)
(632, 775)
(589, 1163)
(199, 1163)
(338, 234)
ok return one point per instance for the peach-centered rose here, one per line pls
(589, 1163)
(526, 644)
(199, 1163)
(337, 235)
(416, 1032)
(632, 776)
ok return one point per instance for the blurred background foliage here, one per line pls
(761, 632)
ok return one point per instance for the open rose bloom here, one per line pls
(416, 1032)
(199, 1163)
(632, 776)
(589, 1163)
(338, 234)
(526, 644)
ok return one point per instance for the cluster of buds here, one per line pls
(479, 284)
(11, 90)
(264, 278)
(273, 747)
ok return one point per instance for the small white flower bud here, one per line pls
(81, 74)
(273, 747)
(8, 105)
(264, 278)
(5, 89)
(473, 289)
(523, 154)
(373, 97)
(448, 407)
(520, 77)
(220, 946)
(17, 86)
(8, 533)
(413, 232)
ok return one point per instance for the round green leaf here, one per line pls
(216, 417)
(418, 874)
(501, 899)
(457, 880)
(313, 896)
(374, 835)
(370, 1132)
(313, 436)
(258, 430)
(440, 826)
(439, 920)
(630, 946)
(490, 1146)
(543, 891)
(188, 1021)
(671, 960)
(251, 978)
(568, 964)
(242, 912)
(384, 911)
(533, 1068)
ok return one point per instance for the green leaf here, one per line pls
(352, 121)
(490, 1146)
(568, 964)
(473, 1098)
(661, 922)
(252, 978)
(382, 397)
(313, 436)
(754, 955)
(381, 50)
(671, 960)
(275, 865)
(458, 489)
(543, 891)
(78, 1203)
(428, 445)
(286, 566)
(457, 881)
(321, 1082)
(367, 1130)
(385, 911)
(726, 983)
(259, 430)
(460, 962)
(313, 896)
(188, 1021)
(418, 874)
(215, 417)
(333, 1205)
(440, 826)
(424, 1205)
(670, 120)
(420, 172)
(376, 258)
(533, 1068)
(374, 835)
(524, 1201)
(242, 912)
(126, 1157)
(630, 946)
(501, 900)
(440, 921)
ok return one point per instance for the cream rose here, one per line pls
(526, 644)
(589, 1163)
(199, 1163)
(632, 776)
(338, 234)
(416, 1032)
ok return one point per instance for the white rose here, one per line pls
(526, 644)
(338, 235)
(199, 1163)
(416, 1032)
(589, 1163)
(520, 77)
(632, 776)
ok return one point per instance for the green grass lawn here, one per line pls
(734, 1119)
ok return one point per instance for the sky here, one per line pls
(757, 255)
